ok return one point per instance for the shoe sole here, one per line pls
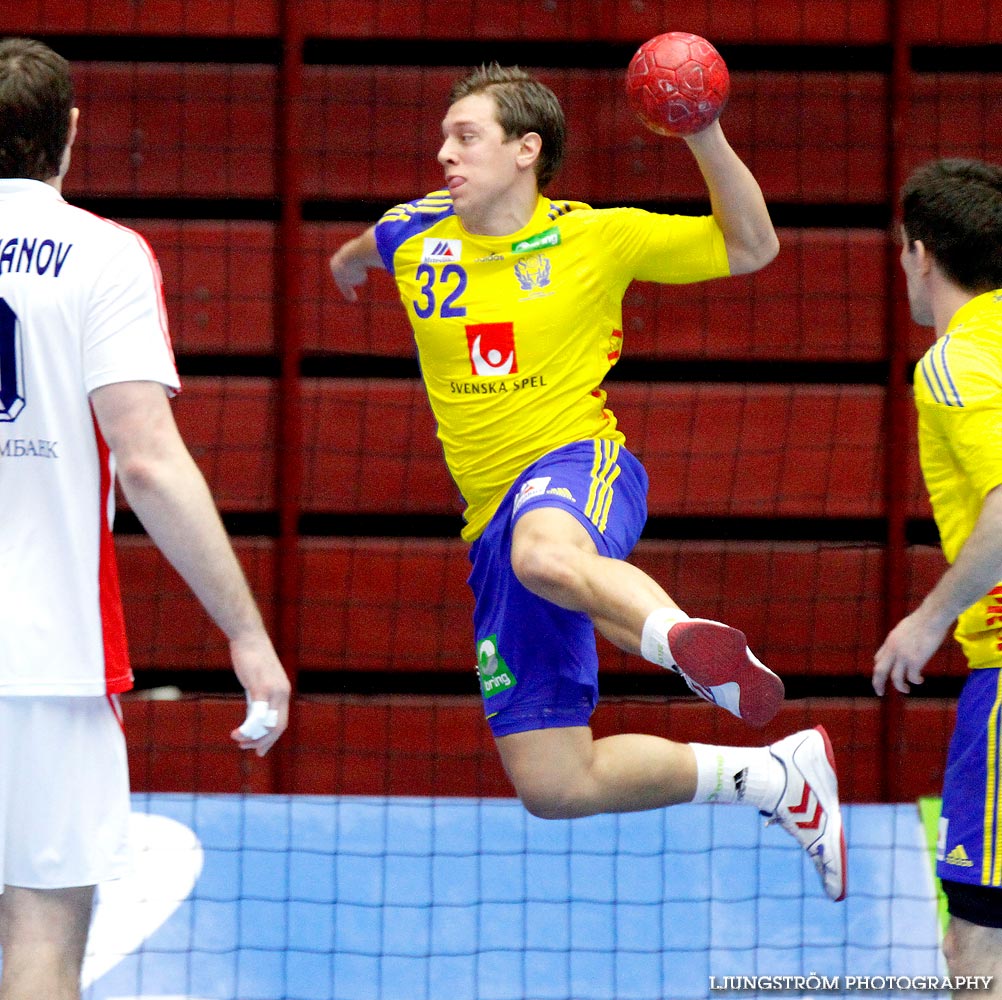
(712, 654)
(830, 754)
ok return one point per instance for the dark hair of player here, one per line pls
(954, 206)
(523, 105)
(36, 97)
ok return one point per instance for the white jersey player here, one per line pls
(86, 369)
(80, 308)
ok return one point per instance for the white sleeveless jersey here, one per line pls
(81, 306)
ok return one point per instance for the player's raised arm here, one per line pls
(737, 202)
(351, 262)
(677, 85)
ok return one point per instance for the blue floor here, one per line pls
(317, 898)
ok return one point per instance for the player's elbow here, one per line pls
(158, 468)
(769, 249)
(754, 255)
(140, 474)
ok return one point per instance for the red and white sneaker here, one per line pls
(716, 663)
(808, 808)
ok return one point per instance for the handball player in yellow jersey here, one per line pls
(952, 259)
(516, 304)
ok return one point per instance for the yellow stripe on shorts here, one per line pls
(605, 471)
(991, 859)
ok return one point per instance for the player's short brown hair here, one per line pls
(523, 105)
(36, 97)
(954, 206)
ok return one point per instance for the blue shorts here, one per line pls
(538, 663)
(969, 848)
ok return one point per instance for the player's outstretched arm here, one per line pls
(170, 497)
(351, 262)
(737, 201)
(913, 641)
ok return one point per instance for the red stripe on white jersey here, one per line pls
(117, 671)
(158, 282)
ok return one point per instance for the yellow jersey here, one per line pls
(516, 333)
(958, 392)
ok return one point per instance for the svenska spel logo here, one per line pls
(492, 348)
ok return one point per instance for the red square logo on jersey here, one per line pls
(492, 348)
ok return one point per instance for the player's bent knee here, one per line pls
(542, 798)
(545, 805)
(542, 568)
(549, 770)
(548, 799)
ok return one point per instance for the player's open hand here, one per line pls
(348, 273)
(905, 652)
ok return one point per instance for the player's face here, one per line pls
(479, 162)
(912, 263)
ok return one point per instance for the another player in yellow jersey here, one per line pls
(952, 260)
(516, 303)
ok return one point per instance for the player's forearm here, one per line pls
(975, 571)
(736, 200)
(351, 262)
(360, 251)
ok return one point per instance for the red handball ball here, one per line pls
(677, 83)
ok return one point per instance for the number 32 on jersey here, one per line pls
(440, 291)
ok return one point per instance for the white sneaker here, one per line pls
(716, 663)
(808, 808)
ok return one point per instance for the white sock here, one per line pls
(750, 775)
(654, 639)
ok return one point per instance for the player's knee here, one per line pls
(546, 804)
(542, 793)
(971, 949)
(951, 946)
(542, 567)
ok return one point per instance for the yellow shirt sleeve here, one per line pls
(670, 249)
